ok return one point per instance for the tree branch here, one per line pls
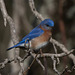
(32, 6)
(14, 37)
(63, 48)
(2, 65)
(11, 23)
(55, 55)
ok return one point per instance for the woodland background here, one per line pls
(62, 12)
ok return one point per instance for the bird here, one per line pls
(38, 38)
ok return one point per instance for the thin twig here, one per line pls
(9, 19)
(54, 65)
(39, 62)
(45, 63)
(63, 48)
(4, 12)
(30, 65)
(68, 70)
(11, 23)
(32, 6)
(58, 61)
(26, 56)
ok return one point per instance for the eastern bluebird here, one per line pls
(38, 37)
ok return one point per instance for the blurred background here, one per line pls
(62, 12)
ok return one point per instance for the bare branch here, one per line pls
(11, 23)
(62, 47)
(4, 12)
(54, 65)
(68, 70)
(14, 37)
(9, 19)
(45, 63)
(32, 6)
(2, 65)
(39, 62)
(26, 55)
(55, 55)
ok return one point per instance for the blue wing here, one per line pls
(36, 32)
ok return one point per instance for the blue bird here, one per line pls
(38, 37)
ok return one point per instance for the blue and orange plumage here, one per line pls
(38, 37)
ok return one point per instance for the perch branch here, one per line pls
(2, 64)
(55, 55)
(63, 48)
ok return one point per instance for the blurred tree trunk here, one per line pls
(14, 66)
(19, 16)
(62, 28)
(61, 22)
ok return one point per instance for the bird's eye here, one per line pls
(47, 25)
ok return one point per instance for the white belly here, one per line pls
(40, 45)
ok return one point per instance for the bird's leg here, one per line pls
(25, 42)
(28, 44)
(27, 51)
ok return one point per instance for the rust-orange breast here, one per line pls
(41, 40)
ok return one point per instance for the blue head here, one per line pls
(47, 24)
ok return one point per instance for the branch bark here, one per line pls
(32, 6)
(63, 48)
(14, 37)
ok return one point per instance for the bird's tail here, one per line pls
(15, 46)
(10, 48)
